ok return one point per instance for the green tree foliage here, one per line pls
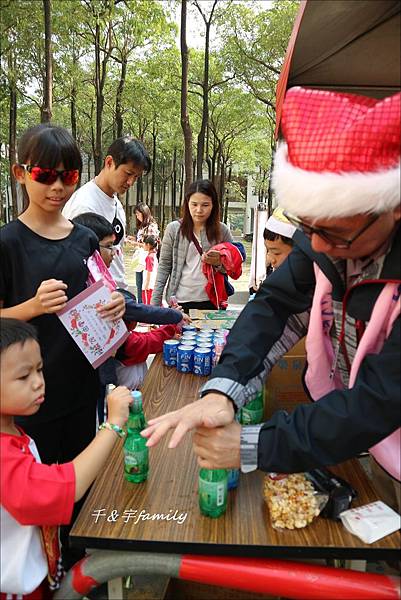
(117, 71)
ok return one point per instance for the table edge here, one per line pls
(235, 549)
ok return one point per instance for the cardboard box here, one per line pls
(283, 388)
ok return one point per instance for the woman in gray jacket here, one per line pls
(186, 244)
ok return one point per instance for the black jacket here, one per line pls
(343, 423)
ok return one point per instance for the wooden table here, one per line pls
(171, 489)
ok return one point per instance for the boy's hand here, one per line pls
(118, 405)
(114, 309)
(50, 296)
(186, 318)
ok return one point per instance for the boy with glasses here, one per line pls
(129, 364)
(337, 175)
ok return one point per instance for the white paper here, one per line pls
(97, 339)
(371, 522)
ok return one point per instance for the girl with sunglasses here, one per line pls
(43, 266)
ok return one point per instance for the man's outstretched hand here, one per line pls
(213, 410)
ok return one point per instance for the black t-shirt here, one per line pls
(27, 259)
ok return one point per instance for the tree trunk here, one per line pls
(181, 187)
(154, 150)
(127, 212)
(208, 159)
(139, 191)
(222, 182)
(89, 166)
(73, 101)
(12, 134)
(97, 155)
(73, 112)
(119, 95)
(213, 162)
(205, 109)
(185, 124)
(100, 79)
(226, 199)
(174, 186)
(46, 110)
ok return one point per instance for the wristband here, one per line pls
(118, 430)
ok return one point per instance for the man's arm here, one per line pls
(333, 429)
(260, 324)
(145, 313)
(288, 291)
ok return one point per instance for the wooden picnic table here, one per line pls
(108, 521)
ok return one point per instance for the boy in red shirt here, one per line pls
(130, 367)
(35, 497)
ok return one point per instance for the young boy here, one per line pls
(36, 497)
(130, 366)
(150, 271)
(126, 160)
(277, 235)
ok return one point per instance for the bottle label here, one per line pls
(213, 493)
(135, 461)
(251, 417)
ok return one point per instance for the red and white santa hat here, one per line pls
(341, 154)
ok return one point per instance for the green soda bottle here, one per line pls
(136, 418)
(136, 453)
(252, 412)
(213, 492)
(233, 474)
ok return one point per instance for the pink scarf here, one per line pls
(320, 377)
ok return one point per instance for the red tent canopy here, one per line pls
(344, 45)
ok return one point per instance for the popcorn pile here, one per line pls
(292, 500)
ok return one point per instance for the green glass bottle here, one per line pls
(233, 474)
(252, 412)
(136, 453)
(136, 418)
(212, 492)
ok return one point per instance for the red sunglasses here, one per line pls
(49, 176)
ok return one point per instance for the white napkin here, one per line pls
(371, 522)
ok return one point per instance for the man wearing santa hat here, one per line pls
(337, 176)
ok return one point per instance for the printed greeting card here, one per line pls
(97, 339)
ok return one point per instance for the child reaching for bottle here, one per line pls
(35, 496)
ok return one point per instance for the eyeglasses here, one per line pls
(335, 241)
(109, 248)
(49, 176)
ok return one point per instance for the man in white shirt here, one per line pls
(126, 160)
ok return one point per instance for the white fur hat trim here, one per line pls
(329, 195)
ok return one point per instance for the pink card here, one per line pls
(97, 339)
